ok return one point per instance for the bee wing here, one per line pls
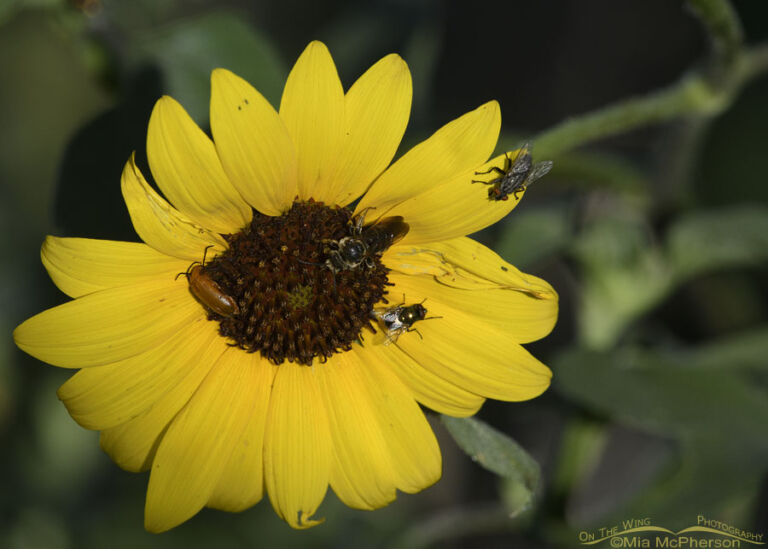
(393, 226)
(389, 328)
(380, 337)
(390, 220)
(393, 334)
(380, 312)
(539, 170)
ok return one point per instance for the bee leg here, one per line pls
(359, 219)
(415, 330)
(307, 262)
(333, 279)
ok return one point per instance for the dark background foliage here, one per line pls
(656, 241)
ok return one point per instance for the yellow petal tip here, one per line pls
(305, 520)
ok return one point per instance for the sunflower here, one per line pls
(240, 348)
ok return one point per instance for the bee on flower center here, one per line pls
(400, 319)
(365, 243)
(516, 175)
(286, 303)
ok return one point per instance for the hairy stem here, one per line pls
(723, 27)
(691, 96)
(699, 94)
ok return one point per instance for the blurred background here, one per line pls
(656, 240)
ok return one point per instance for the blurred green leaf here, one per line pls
(8, 9)
(725, 409)
(139, 14)
(532, 235)
(37, 528)
(65, 455)
(747, 350)
(188, 50)
(716, 417)
(624, 275)
(701, 479)
(591, 171)
(729, 237)
(501, 455)
(580, 448)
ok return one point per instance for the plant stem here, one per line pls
(691, 96)
(700, 94)
(723, 27)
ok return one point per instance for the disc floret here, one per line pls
(292, 307)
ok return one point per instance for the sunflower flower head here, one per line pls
(265, 336)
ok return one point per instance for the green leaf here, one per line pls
(727, 409)
(624, 275)
(746, 350)
(591, 171)
(700, 479)
(726, 238)
(532, 235)
(8, 9)
(187, 51)
(501, 455)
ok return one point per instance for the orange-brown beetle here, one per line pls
(208, 292)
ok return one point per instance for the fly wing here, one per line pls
(539, 170)
(522, 162)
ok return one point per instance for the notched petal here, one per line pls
(465, 264)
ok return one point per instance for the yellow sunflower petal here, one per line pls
(133, 444)
(455, 207)
(429, 389)
(159, 224)
(297, 446)
(378, 106)
(80, 266)
(242, 482)
(109, 325)
(411, 443)
(467, 350)
(200, 441)
(253, 143)
(457, 147)
(106, 396)
(465, 263)
(362, 474)
(312, 108)
(522, 315)
(188, 171)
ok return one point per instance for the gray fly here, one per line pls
(516, 175)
